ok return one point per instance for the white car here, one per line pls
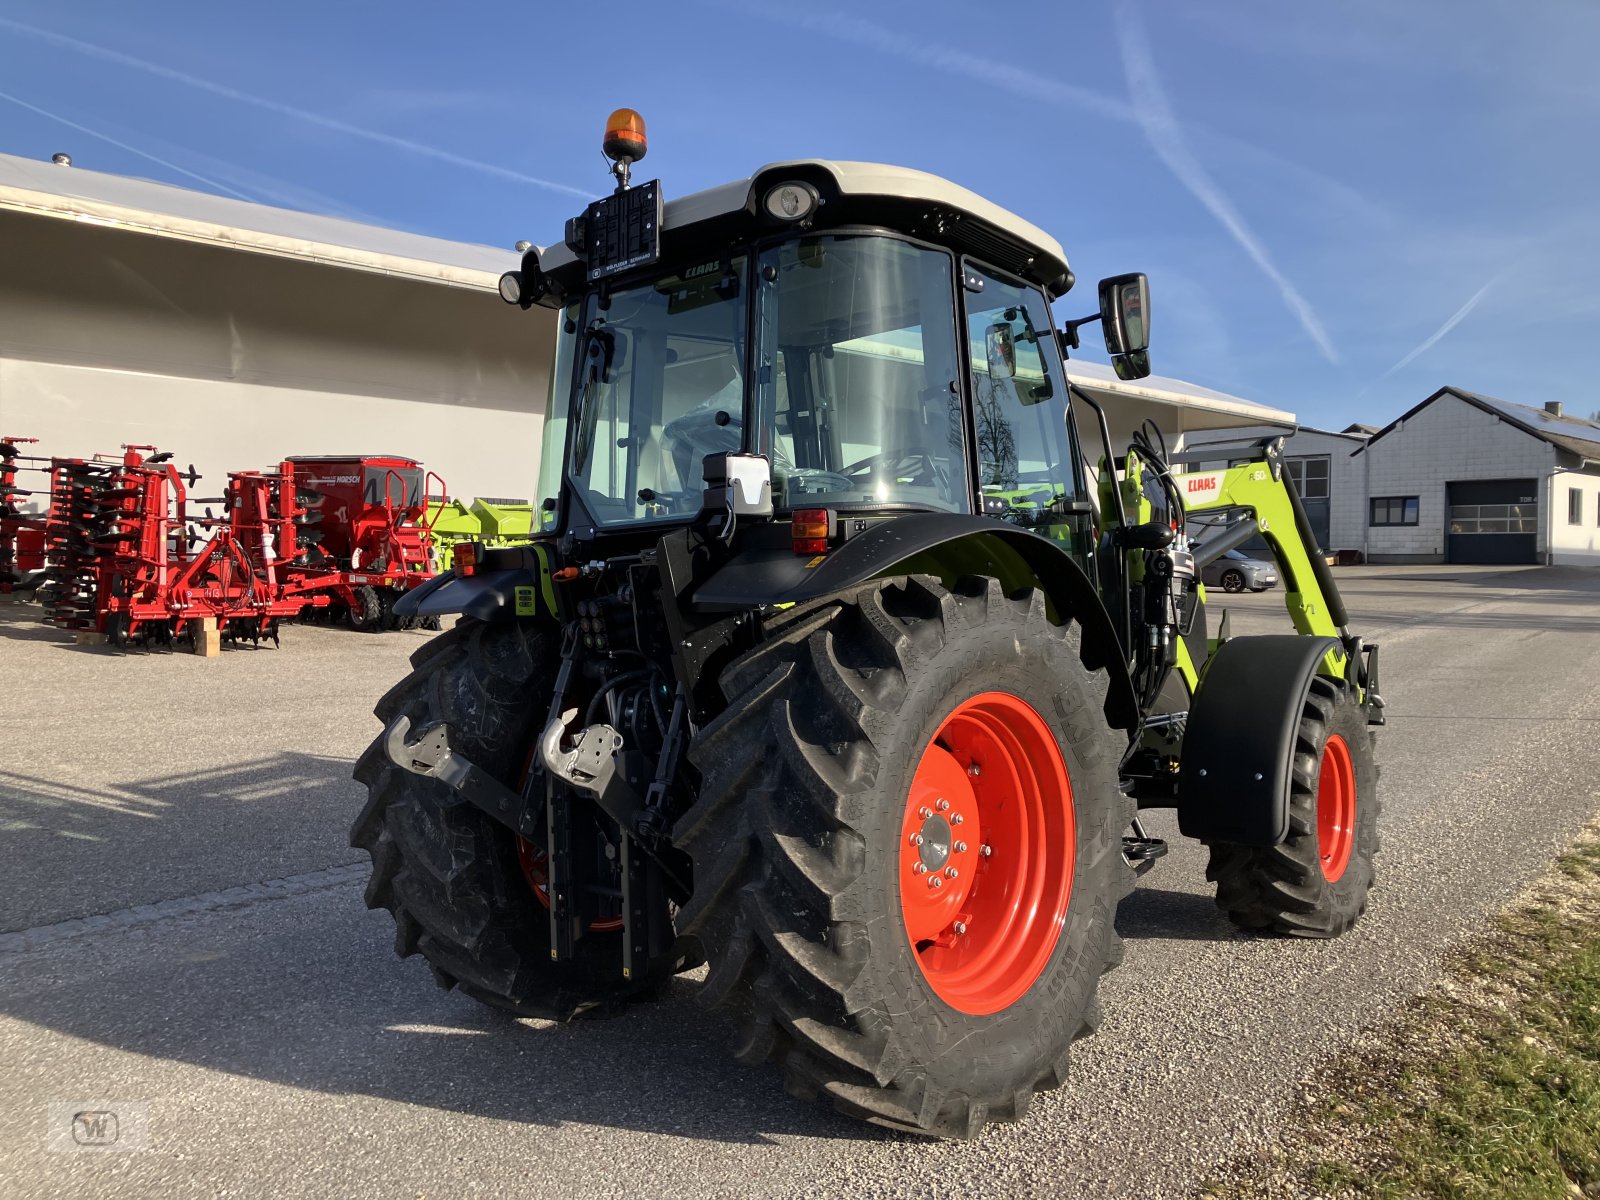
(1235, 571)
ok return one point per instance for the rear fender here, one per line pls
(948, 546)
(512, 582)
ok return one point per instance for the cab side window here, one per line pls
(1027, 469)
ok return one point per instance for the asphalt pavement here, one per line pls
(182, 940)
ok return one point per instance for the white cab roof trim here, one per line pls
(854, 179)
(141, 206)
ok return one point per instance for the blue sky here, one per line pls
(1341, 206)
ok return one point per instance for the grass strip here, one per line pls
(1488, 1088)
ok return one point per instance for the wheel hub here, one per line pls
(934, 842)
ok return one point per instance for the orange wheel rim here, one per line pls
(1336, 808)
(987, 852)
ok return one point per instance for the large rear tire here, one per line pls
(852, 734)
(1316, 883)
(450, 875)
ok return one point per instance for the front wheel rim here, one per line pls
(987, 853)
(1336, 808)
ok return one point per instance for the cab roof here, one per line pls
(942, 210)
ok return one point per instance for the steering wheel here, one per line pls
(899, 464)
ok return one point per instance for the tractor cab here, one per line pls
(853, 341)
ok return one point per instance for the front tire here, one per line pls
(1316, 883)
(1233, 580)
(823, 938)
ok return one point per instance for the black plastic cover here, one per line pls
(623, 230)
(484, 596)
(1238, 745)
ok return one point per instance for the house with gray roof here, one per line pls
(1468, 478)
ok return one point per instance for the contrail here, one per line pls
(1162, 131)
(288, 110)
(120, 145)
(872, 36)
(1456, 318)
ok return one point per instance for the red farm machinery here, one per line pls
(363, 533)
(21, 533)
(129, 558)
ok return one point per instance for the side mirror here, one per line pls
(1125, 318)
(1132, 366)
(1001, 350)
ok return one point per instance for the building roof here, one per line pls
(1357, 429)
(1203, 407)
(1348, 434)
(162, 210)
(1572, 434)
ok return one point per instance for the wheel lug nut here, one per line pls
(956, 818)
(961, 928)
(936, 882)
(950, 871)
(986, 850)
(918, 868)
(961, 847)
(942, 805)
(974, 769)
(924, 812)
(916, 839)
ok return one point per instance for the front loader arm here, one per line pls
(1263, 490)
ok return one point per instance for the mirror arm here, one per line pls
(1069, 335)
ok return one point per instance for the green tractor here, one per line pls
(835, 667)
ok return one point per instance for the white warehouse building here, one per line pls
(234, 334)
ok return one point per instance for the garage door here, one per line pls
(1493, 521)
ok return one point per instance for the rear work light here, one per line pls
(810, 530)
(465, 558)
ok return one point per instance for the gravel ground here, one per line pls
(277, 1045)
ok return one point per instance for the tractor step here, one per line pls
(1142, 852)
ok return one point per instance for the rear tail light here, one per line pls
(810, 530)
(465, 558)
